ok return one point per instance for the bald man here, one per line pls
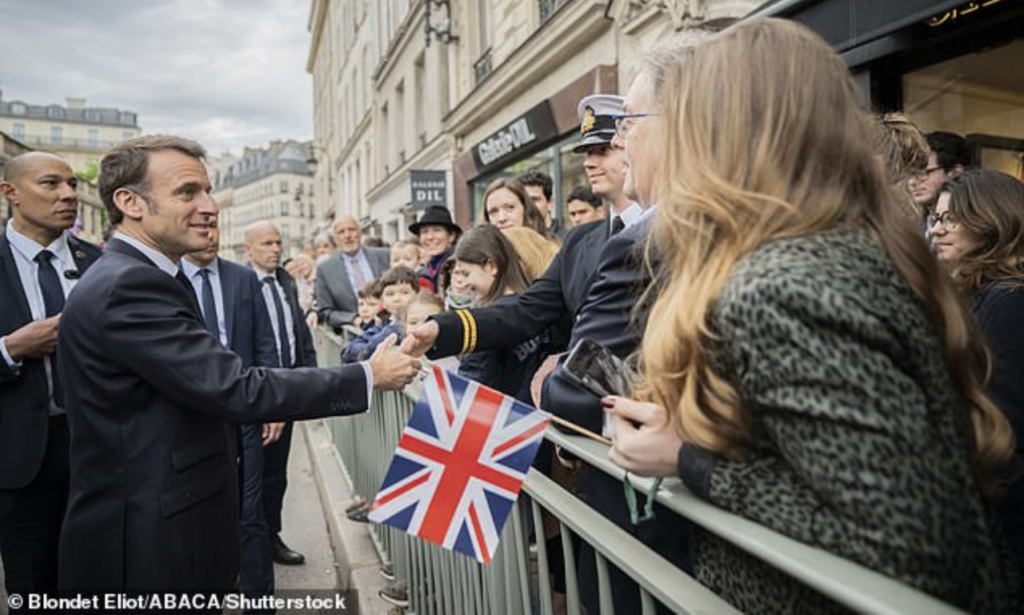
(339, 278)
(39, 265)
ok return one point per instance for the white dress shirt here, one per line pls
(195, 277)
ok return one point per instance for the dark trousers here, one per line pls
(257, 565)
(275, 478)
(31, 519)
(668, 534)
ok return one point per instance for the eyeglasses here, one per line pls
(947, 221)
(624, 122)
(923, 175)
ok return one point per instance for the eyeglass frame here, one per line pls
(947, 220)
(923, 175)
(619, 121)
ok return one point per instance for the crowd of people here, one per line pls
(817, 311)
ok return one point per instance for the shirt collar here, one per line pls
(191, 269)
(630, 215)
(30, 249)
(159, 258)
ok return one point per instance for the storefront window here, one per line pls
(979, 96)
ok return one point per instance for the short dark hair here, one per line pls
(585, 194)
(399, 275)
(950, 149)
(126, 165)
(484, 244)
(533, 177)
(370, 289)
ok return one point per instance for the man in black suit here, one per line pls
(152, 396)
(339, 278)
(39, 265)
(554, 299)
(231, 301)
(295, 348)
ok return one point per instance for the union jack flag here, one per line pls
(459, 465)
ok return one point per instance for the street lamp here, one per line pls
(439, 21)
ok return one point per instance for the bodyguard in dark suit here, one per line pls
(339, 278)
(295, 348)
(39, 265)
(231, 301)
(152, 396)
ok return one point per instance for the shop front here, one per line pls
(951, 66)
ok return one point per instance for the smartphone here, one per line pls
(595, 368)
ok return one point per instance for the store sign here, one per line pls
(533, 127)
(428, 188)
(954, 14)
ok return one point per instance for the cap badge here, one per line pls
(588, 120)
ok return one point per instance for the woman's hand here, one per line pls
(645, 443)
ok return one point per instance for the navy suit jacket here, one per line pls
(250, 334)
(25, 393)
(151, 400)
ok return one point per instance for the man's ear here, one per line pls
(129, 202)
(8, 189)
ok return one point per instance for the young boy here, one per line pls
(369, 306)
(406, 253)
(398, 286)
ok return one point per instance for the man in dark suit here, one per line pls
(554, 299)
(339, 278)
(39, 265)
(231, 301)
(152, 396)
(295, 349)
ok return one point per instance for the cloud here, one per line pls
(224, 72)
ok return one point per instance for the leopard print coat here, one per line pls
(864, 446)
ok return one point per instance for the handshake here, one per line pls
(392, 369)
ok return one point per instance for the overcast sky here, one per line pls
(227, 73)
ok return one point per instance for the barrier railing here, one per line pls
(518, 579)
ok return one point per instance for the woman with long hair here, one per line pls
(806, 364)
(507, 204)
(977, 229)
(535, 250)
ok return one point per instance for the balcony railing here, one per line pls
(517, 581)
(65, 143)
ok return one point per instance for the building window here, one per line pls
(55, 112)
(482, 67)
(284, 208)
(56, 134)
(94, 138)
(284, 186)
(18, 109)
(18, 131)
(967, 97)
(548, 8)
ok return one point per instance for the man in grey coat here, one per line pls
(339, 278)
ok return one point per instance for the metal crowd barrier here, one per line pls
(517, 580)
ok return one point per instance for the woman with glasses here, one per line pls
(807, 365)
(977, 229)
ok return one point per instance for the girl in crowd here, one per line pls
(487, 266)
(818, 370)
(977, 229)
(507, 205)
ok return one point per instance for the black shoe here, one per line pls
(285, 556)
(395, 593)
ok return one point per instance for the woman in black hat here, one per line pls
(437, 234)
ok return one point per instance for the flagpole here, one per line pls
(581, 430)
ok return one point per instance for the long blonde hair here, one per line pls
(535, 250)
(764, 139)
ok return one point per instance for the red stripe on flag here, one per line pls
(474, 521)
(380, 501)
(526, 435)
(446, 399)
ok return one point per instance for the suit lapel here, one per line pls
(229, 287)
(81, 256)
(10, 269)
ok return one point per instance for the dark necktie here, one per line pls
(282, 330)
(53, 302)
(209, 305)
(617, 225)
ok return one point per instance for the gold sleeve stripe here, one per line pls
(472, 330)
(465, 330)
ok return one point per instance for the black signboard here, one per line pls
(428, 188)
(529, 129)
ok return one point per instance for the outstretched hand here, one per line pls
(645, 442)
(421, 339)
(392, 370)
